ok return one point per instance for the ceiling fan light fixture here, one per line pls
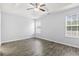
(36, 9)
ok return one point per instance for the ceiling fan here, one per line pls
(38, 6)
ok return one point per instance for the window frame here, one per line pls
(72, 29)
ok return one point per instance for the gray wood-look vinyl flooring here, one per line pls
(37, 47)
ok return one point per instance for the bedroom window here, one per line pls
(72, 26)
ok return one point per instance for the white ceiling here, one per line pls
(20, 8)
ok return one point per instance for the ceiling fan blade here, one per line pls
(42, 9)
(32, 4)
(42, 5)
(29, 8)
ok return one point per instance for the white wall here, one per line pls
(0, 27)
(15, 27)
(53, 27)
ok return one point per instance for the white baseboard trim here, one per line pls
(15, 40)
(64, 43)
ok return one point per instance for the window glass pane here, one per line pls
(78, 22)
(78, 19)
(74, 28)
(78, 28)
(68, 28)
(74, 20)
(69, 20)
(74, 17)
